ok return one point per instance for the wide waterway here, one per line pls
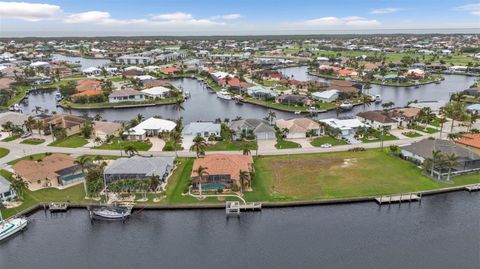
(443, 231)
(204, 105)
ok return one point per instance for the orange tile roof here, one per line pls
(90, 92)
(224, 164)
(44, 169)
(169, 70)
(87, 84)
(472, 140)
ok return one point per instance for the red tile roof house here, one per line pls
(470, 141)
(169, 70)
(223, 171)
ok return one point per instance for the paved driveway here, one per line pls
(304, 142)
(157, 144)
(266, 144)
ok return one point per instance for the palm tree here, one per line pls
(97, 117)
(130, 151)
(246, 150)
(367, 101)
(451, 160)
(271, 115)
(436, 155)
(20, 186)
(199, 145)
(472, 118)
(244, 180)
(176, 139)
(154, 182)
(201, 172)
(29, 123)
(84, 162)
(40, 125)
(178, 106)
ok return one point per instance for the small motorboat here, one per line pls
(297, 112)
(58, 97)
(376, 98)
(58, 207)
(110, 212)
(15, 108)
(223, 94)
(346, 106)
(11, 227)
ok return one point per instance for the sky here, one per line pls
(231, 17)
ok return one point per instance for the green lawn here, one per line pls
(274, 105)
(377, 138)
(74, 141)
(411, 134)
(68, 104)
(74, 194)
(319, 141)
(285, 144)
(119, 144)
(34, 157)
(427, 130)
(232, 145)
(33, 141)
(11, 138)
(4, 152)
(339, 175)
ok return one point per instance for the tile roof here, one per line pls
(44, 169)
(298, 125)
(224, 164)
(64, 121)
(472, 140)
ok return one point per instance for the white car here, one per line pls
(326, 145)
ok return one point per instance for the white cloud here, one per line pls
(474, 9)
(351, 21)
(386, 10)
(99, 17)
(28, 11)
(176, 16)
(233, 16)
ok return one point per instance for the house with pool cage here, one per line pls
(221, 171)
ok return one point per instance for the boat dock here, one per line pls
(235, 207)
(399, 198)
(58, 207)
(474, 187)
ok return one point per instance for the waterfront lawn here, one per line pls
(119, 144)
(74, 194)
(68, 104)
(11, 138)
(33, 141)
(319, 141)
(285, 144)
(73, 141)
(411, 134)
(339, 175)
(4, 152)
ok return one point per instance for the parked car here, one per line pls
(326, 145)
(25, 135)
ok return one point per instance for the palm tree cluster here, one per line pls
(441, 160)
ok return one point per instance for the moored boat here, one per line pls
(223, 94)
(346, 106)
(110, 212)
(11, 226)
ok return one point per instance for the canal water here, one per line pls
(442, 231)
(204, 105)
(84, 62)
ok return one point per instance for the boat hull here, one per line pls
(110, 213)
(11, 227)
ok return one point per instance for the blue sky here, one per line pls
(185, 17)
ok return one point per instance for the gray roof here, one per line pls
(200, 127)
(4, 185)
(17, 119)
(125, 92)
(147, 166)
(257, 125)
(425, 147)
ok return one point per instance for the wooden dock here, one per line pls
(58, 207)
(235, 207)
(399, 198)
(474, 187)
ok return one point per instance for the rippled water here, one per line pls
(442, 231)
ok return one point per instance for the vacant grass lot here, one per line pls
(378, 138)
(74, 141)
(339, 175)
(232, 145)
(285, 144)
(119, 144)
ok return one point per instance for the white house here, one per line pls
(6, 191)
(326, 96)
(144, 77)
(156, 92)
(149, 127)
(205, 129)
(126, 95)
(347, 126)
(91, 71)
(299, 127)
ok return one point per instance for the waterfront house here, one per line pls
(169, 70)
(17, 119)
(474, 91)
(261, 92)
(139, 168)
(378, 119)
(71, 123)
(422, 150)
(126, 95)
(299, 127)
(7, 193)
(149, 127)
(102, 129)
(55, 170)
(474, 108)
(347, 127)
(294, 100)
(223, 171)
(155, 83)
(88, 84)
(258, 128)
(469, 141)
(326, 96)
(156, 92)
(91, 71)
(204, 129)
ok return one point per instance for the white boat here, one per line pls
(15, 107)
(58, 97)
(11, 226)
(111, 212)
(223, 94)
(376, 98)
(346, 106)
